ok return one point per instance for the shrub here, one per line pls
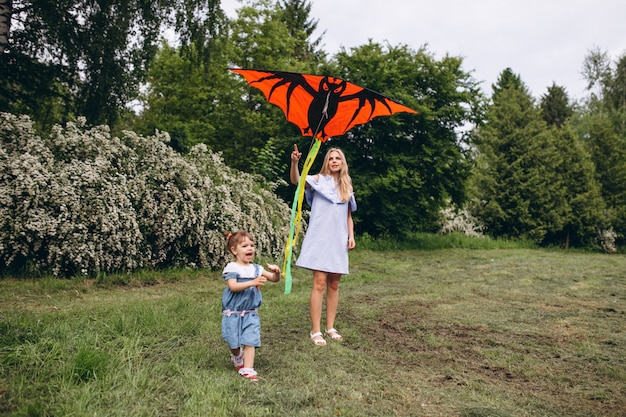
(455, 219)
(79, 202)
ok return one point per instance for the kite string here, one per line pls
(296, 214)
(296, 207)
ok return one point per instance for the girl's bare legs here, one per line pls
(317, 297)
(332, 299)
(247, 370)
(248, 356)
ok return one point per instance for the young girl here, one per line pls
(329, 236)
(241, 327)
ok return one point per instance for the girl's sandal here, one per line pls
(318, 339)
(249, 374)
(333, 334)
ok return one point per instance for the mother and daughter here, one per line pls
(329, 236)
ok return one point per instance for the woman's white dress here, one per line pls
(325, 244)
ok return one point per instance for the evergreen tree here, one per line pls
(296, 17)
(519, 192)
(609, 156)
(533, 180)
(555, 106)
(584, 211)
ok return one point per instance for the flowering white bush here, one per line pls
(81, 202)
(606, 238)
(454, 219)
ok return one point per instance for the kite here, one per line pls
(322, 107)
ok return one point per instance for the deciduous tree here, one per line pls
(68, 58)
(406, 167)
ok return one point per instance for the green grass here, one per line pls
(454, 332)
(431, 241)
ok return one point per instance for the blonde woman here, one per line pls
(329, 236)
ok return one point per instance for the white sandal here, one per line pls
(318, 339)
(333, 334)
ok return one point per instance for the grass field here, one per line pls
(454, 332)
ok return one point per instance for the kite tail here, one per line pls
(296, 213)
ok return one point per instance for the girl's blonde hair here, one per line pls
(344, 181)
(233, 239)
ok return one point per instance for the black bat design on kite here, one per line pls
(321, 106)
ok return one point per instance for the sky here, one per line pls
(543, 41)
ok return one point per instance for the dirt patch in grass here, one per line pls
(562, 374)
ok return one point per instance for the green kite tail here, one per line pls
(296, 214)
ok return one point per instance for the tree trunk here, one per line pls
(6, 7)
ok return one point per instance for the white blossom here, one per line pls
(455, 219)
(80, 202)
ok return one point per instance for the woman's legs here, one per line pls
(317, 297)
(329, 282)
(332, 299)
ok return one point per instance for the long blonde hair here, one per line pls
(344, 182)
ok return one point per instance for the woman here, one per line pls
(329, 236)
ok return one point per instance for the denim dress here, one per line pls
(240, 318)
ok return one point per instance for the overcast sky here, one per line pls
(544, 41)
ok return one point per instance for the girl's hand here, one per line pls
(273, 268)
(260, 281)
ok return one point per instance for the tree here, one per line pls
(534, 181)
(82, 57)
(181, 97)
(202, 102)
(609, 80)
(296, 17)
(5, 23)
(555, 106)
(584, 213)
(602, 126)
(608, 154)
(406, 167)
(519, 193)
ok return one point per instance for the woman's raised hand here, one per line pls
(295, 155)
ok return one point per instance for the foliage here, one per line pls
(80, 202)
(532, 181)
(181, 99)
(584, 211)
(555, 106)
(69, 58)
(201, 102)
(405, 168)
(296, 16)
(461, 220)
(602, 126)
